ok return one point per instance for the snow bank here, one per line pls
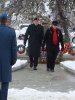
(19, 64)
(69, 64)
(31, 94)
(21, 42)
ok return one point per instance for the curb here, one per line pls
(19, 67)
(68, 69)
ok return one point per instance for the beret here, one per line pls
(55, 22)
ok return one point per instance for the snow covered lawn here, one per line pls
(69, 65)
(31, 94)
(19, 64)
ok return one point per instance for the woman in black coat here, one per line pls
(52, 39)
(34, 35)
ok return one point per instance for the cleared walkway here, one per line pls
(60, 80)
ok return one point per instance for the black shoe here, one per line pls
(34, 68)
(31, 65)
(52, 70)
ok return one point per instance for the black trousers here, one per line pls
(4, 90)
(34, 61)
(51, 57)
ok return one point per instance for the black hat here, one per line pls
(3, 15)
(36, 18)
(55, 23)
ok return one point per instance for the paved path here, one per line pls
(60, 80)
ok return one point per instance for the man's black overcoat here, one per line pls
(34, 35)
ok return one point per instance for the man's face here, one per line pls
(36, 22)
(54, 26)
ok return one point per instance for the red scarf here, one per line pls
(55, 38)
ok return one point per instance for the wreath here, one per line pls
(20, 49)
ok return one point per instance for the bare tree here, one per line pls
(61, 9)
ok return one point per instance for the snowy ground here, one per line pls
(31, 94)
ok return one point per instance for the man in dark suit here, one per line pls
(8, 55)
(52, 39)
(34, 35)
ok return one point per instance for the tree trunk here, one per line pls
(62, 18)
